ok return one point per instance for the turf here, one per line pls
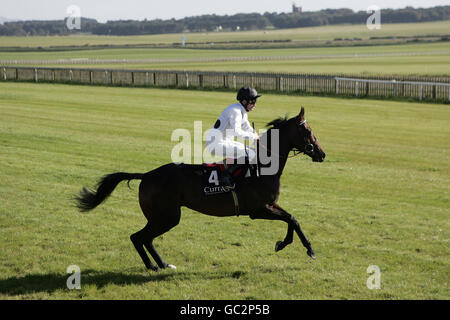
(380, 198)
(408, 59)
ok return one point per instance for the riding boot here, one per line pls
(226, 177)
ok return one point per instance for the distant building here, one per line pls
(296, 9)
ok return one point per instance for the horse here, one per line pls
(164, 190)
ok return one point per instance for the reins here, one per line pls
(295, 150)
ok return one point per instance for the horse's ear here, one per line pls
(301, 115)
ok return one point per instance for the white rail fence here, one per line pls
(273, 82)
(393, 88)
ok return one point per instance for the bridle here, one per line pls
(308, 149)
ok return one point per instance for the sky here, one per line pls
(104, 10)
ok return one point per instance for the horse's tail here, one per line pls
(89, 199)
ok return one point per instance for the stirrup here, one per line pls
(226, 180)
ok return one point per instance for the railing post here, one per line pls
(4, 74)
(374, 86)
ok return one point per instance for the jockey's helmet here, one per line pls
(248, 94)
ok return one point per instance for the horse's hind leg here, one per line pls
(159, 261)
(138, 242)
(153, 232)
(157, 227)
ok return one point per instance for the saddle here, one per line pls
(212, 173)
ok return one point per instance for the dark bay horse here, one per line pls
(163, 191)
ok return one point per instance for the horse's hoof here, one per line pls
(278, 246)
(311, 253)
(171, 266)
(153, 268)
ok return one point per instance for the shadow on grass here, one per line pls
(36, 283)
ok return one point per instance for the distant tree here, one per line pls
(207, 23)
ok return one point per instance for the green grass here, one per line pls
(167, 53)
(411, 59)
(297, 34)
(438, 65)
(380, 198)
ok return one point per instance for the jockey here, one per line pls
(233, 122)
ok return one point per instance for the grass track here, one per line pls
(380, 198)
(418, 59)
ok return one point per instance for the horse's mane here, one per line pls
(276, 123)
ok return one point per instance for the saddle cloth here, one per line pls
(212, 173)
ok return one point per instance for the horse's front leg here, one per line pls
(296, 226)
(280, 245)
(275, 212)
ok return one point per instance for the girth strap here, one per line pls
(235, 198)
(236, 203)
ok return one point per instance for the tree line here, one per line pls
(209, 23)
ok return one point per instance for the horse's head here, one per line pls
(305, 141)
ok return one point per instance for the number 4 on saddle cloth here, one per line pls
(214, 176)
